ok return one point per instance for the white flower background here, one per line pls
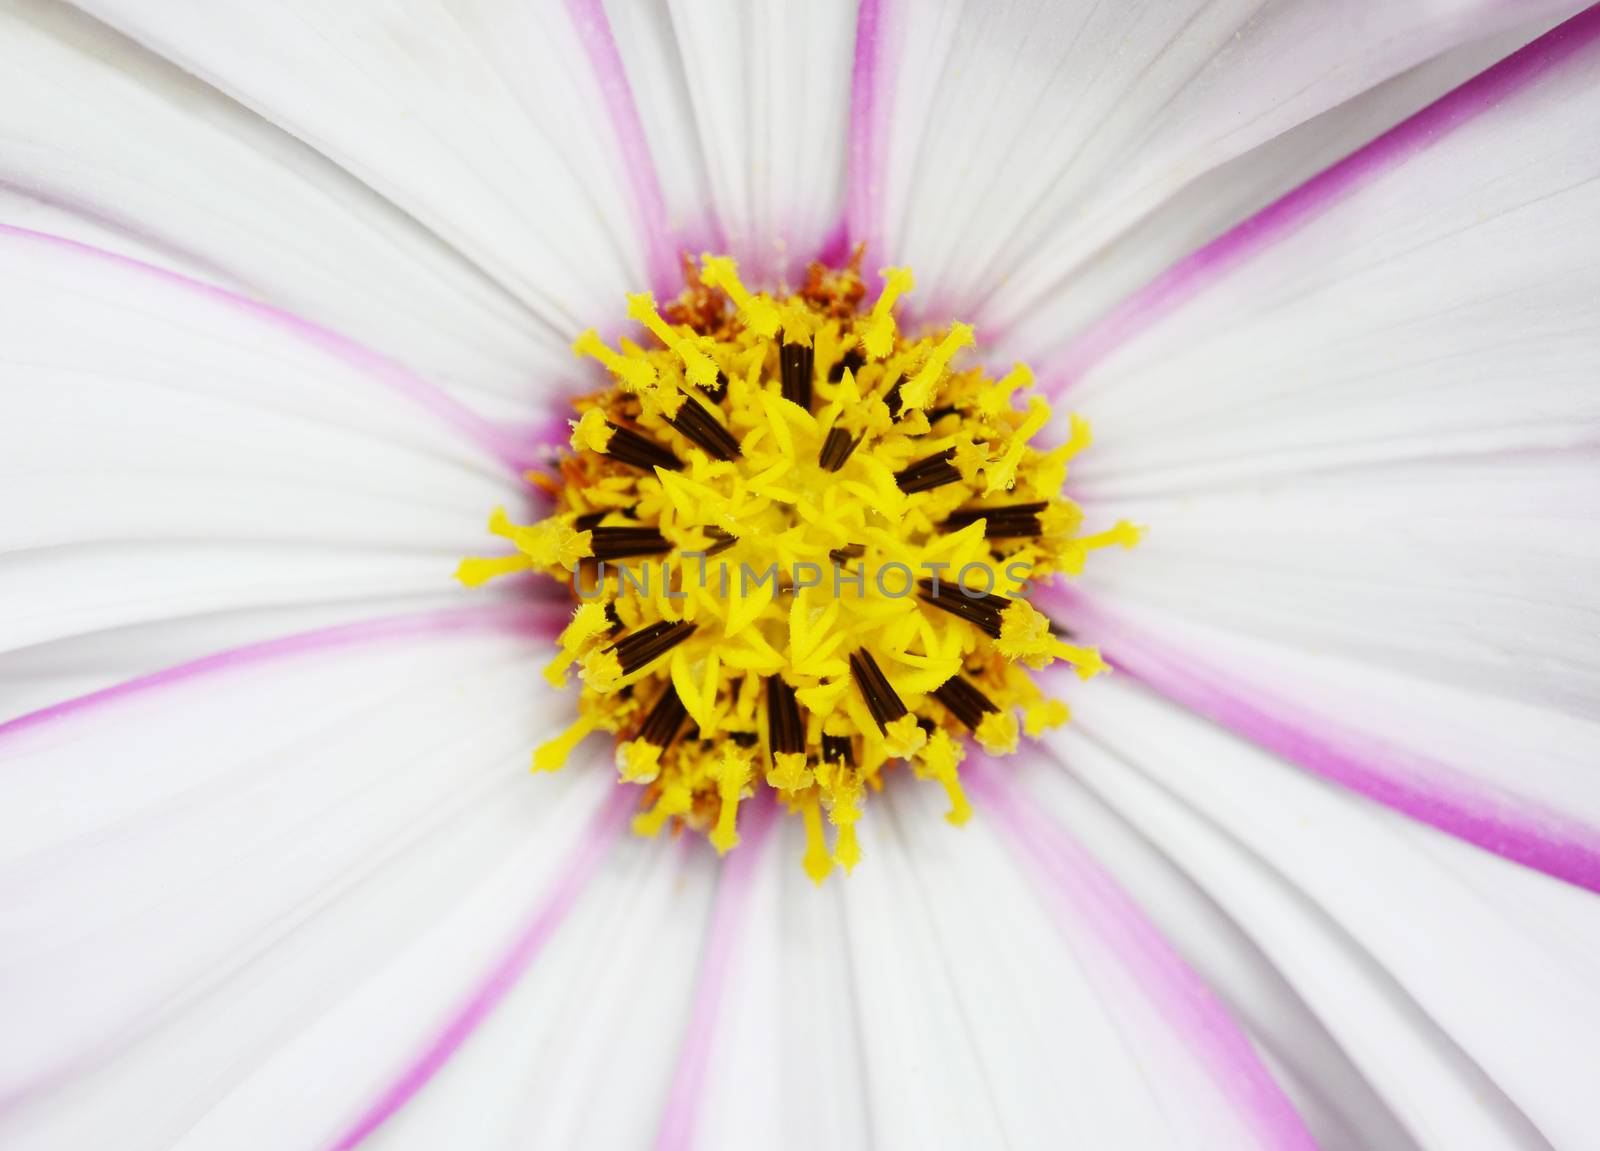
(286, 297)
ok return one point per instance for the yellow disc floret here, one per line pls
(802, 540)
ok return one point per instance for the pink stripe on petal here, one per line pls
(1428, 791)
(868, 106)
(727, 923)
(1212, 263)
(1219, 1047)
(538, 618)
(504, 447)
(498, 982)
(594, 29)
(835, 249)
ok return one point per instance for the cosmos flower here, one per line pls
(289, 296)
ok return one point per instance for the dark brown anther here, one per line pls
(964, 701)
(853, 360)
(797, 365)
(620, 543)
(879, 694)
(838, 749)
(837, 448)
(665, 720)
(848, 552)
(718, 391)
(928, 473)
(1013, 522)
(721, 541)
(649, 644)
(639, 451)
(982, 611)
(786, 732)
(892, 400)
(696, 423)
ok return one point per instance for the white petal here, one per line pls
(728, 994)
(198, 867)
(31, 213)
(486, 122)
(564, 1016)
(657, 72)
(775, 1026)
(1513, 777)
(169, 450)
(958, 1004)
(1341, 1109)
(1009, 145)
(136, 155)
(762, 93)
(1037, 326)
(1467, 1017)
(1365, 446)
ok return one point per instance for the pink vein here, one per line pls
(594, 29)
(500, 445)
(1281, 219)
(538, 618)
(1220, 1048)
(865, 163)
(676, 1132)
(1427, 791)
(580, 868)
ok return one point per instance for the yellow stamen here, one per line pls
(591, 432)
(800, 325)
(759, 313)
(817, 860)
(919, 391)
(903, 737)
(789, 772)
(997, 733)
(938, 762)
(699, 367)
(996, 399)
(731, 778)
(1040, 717)
(674, 802)
(634, 374)
(775, 630)
(475, 571)
(877, 337)
(552, 755)
(1003, 474)
(638, 761)
(587, 623)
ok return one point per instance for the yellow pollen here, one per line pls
(766, 511)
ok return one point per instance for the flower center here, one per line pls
(802, 543)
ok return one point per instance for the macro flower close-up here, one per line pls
(852, 574)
